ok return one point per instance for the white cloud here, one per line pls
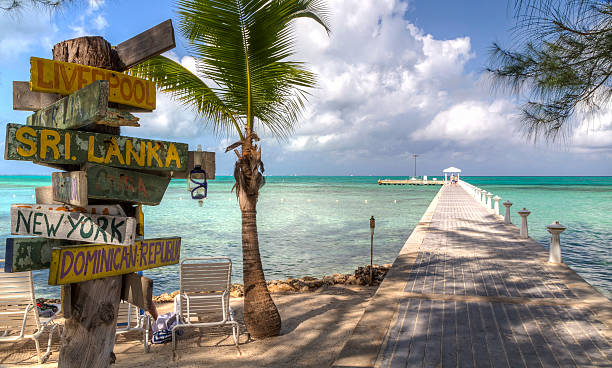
(24, 31)
(100, 23)
(470, 121)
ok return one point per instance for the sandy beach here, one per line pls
(315, 327)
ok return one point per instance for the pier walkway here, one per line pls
(466, 291)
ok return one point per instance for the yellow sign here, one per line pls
(88, 262)
(65, 78)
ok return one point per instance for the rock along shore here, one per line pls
(361, 276)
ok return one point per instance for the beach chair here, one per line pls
(130, 319)
(204, 293)
(19, 318)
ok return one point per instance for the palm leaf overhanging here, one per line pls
(241, 49)
(243, 81)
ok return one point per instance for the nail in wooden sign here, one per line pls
(28, 254)
(39, 220)
(85, 107)
(72, 147)
(81, 263)
(65, 78)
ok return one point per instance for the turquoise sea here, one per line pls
(319, 225)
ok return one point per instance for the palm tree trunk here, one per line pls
(260, 313)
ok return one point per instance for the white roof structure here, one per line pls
(452, 169)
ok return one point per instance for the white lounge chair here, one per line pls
(204, 293)
(18, 313)
(129, 319)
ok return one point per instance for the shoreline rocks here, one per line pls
(361, 276)
(305, 284)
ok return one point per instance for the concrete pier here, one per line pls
(467, 291)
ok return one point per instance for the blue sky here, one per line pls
(396, 78)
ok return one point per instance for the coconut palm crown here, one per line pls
(244, 82)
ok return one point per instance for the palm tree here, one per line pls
(242, 49)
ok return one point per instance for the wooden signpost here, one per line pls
(80, 263)
(80, 133)
(85, 107)
(38, 220)
(63, 78)
(73, 147)
(28, 254)
(108, 183)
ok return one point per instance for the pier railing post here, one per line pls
(482, 196)
(489, 202)
(496, 206)
(555, 231)
(507, 204)
(524, 233)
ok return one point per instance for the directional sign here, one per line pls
(65, 78)
(39, 220)
(70, 187)
(108, 183)
(81, 263)
(105, 182)
(28, 254)
(149, 43)
(87, 106)
(26, 100)
(71, 147)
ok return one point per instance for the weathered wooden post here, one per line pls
(496, 205)
(507, 204)
(524, 232)
(555, 229)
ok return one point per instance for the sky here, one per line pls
(396, 78)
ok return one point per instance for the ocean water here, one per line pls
(308, 226)
(320, 225)
(582, 204)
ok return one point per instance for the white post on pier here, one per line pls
(524, 233)
(555, 231)
(507, 204)
(489, 202)
(482, 196)
(496, 205)
(445, 179)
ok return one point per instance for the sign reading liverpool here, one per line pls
(65, 78)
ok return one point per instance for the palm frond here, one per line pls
(187, 88)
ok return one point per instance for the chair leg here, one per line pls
(147, 325)
(174, 338)
(236, 335)
(40, 361)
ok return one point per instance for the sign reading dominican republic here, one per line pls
(38, 220)
(81, 263)
(73, 147)
(53, 76)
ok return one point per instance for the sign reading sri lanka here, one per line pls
(81, 263)
(65, 78)
(60, 146)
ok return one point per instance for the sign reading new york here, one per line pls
(60, 146)
(65, 78)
